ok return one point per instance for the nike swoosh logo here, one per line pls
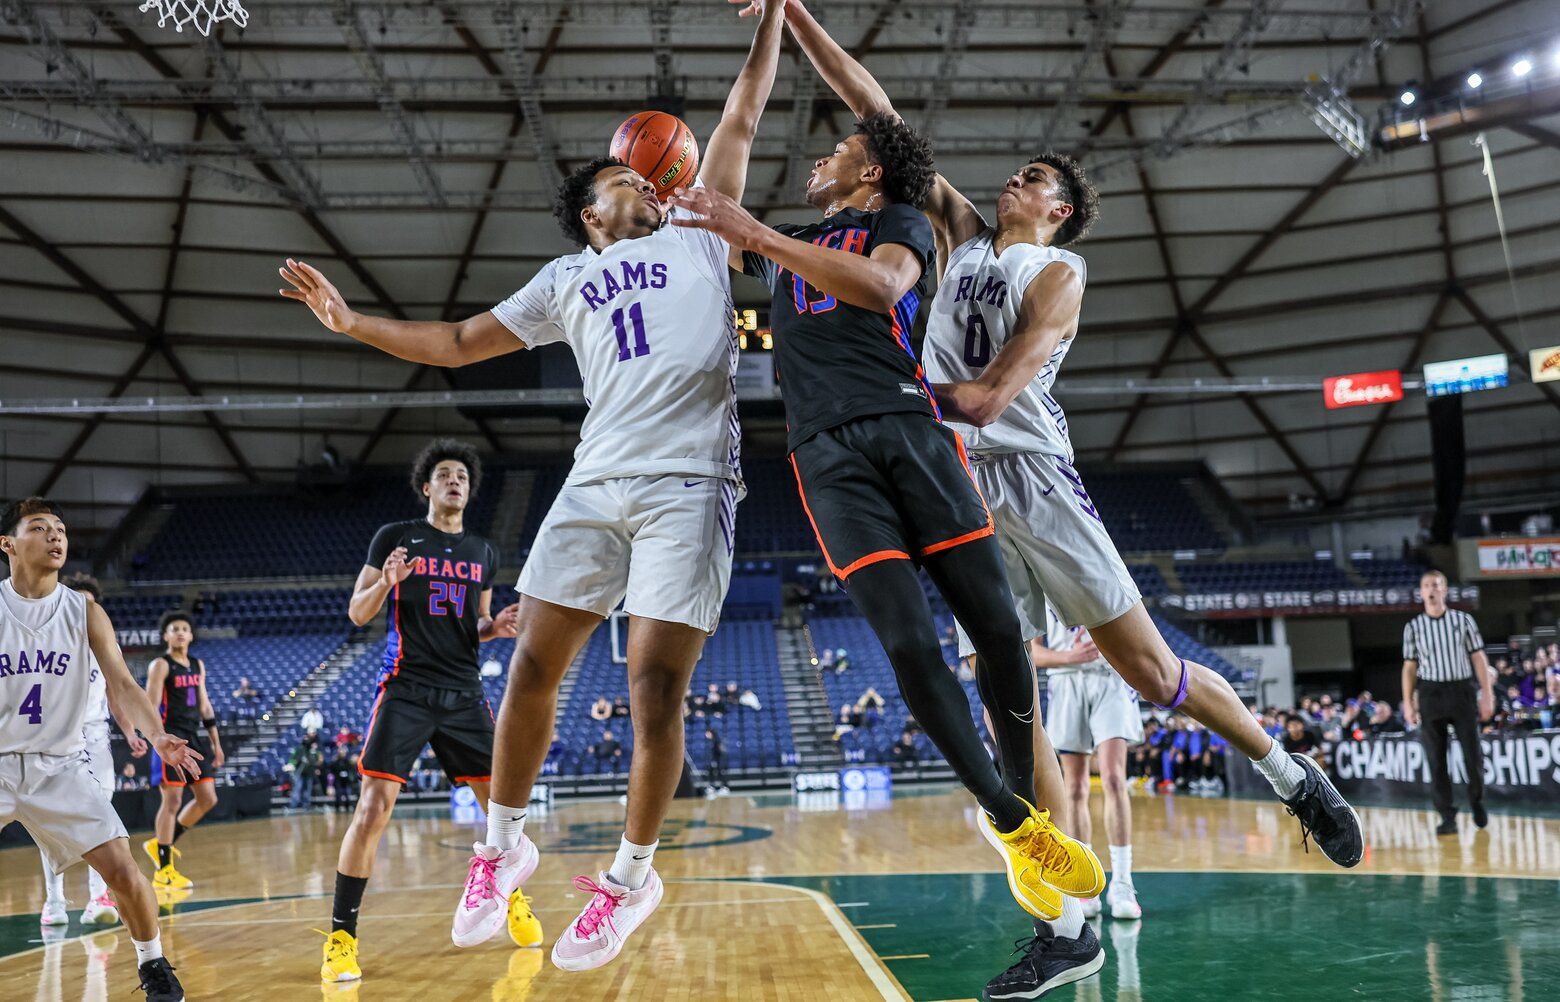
(1045, 493)
(638, 858)
(692, 483)
(1025, 718)
(517, 817)
(416, 540)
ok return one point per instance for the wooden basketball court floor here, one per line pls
(769, 897)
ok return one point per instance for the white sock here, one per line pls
(1283, 772)
(95, 885)
(632, 864)
(53, 885)
(1070, 925)
(505, 825)
(150, 950)
(1121, 863)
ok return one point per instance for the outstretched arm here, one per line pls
(428, 342)
(954, 218)
(726, 156)
(1049, 314)
(128, 703)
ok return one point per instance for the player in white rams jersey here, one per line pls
(51, 640)
(646, 516)
(1006, 310)
(100, 907)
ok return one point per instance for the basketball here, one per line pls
(660, 147)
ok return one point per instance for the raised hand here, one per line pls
(313, 289)
(396, 568)
(138, 745)
(178, 753)
(754, 8)
(721, 215)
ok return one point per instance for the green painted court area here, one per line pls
(1233, 936)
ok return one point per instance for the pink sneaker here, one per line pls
(484, 904)
(597, 936)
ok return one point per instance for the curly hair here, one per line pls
(26, 507)
(1077, 191)
(904, 154)
(437, 452)
(577, 191)
(172, 616)
(84, 582)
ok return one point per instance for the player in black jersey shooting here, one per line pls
(438, 581)
(887, 486)
(176, 685)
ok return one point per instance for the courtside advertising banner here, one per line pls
(1545, 363)
(1519, 558)
(1362, 388)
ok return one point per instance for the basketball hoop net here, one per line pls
(200, 13)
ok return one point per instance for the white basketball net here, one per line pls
(200, 13)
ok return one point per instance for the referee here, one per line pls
(1442, 655)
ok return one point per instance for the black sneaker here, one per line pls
(1326, 816)
(158, 982)
(1481, 817)
(1048, 962)
(1448, 826)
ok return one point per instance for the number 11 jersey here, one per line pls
(651, 325)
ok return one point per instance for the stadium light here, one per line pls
(1475, 80)
(1522, 67)
(1408, 97)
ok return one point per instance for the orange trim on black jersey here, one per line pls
(380, 775)
(471, 779)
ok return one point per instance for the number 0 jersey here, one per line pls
(433, 614)
(651, 324)
(974, 315)
(45, 672)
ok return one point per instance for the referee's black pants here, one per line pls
(1454, 705)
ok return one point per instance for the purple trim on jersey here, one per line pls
(1084, 502)
(728, 515)
(1180, 690)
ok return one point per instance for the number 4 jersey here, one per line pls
(433, 614)
(974, 314)
(651, 326)
(46, 671)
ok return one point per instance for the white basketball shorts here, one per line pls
(661, 545)
(1053, 543)
(60, 804)
(100, 762)
(1088, 708)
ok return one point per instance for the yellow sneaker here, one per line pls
(524, 927)
(1039, 855)
(171, 879)
(341, 950)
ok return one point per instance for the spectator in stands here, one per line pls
(305, 767)
(1383, 720)
(749, 699)
(732, 695)
(1330, 728)
(555, 751)
(1211, 766)
(1299, 740)
(426, 773)
(714, 702)
(601, 709)
(128, 780)
(870, 706)
(620, 707)
(491, 668)
(826, 659)
(849, 719)
(904, 750)
(312, 719)
(715, 770)
(607, 752)
(346, 739)
(246, 700)
(344, 777)
(841, 661)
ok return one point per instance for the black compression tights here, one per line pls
(971, 578)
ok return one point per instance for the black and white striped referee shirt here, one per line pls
(1440, 646)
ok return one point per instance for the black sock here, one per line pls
(349, 897)
(178, 829)
(164, 854)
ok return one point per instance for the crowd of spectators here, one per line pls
(1527, 687)
(1177, 755)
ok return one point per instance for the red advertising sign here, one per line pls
(1363, 388)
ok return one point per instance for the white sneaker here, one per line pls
(1122, 898)
(101, 910)
(54, 913)
(614, 912)
(494, 875)
(1091, 907)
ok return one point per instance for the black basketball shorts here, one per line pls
(408, 716)
(887, 487)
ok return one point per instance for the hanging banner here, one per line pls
(1519, 558)
(1362, 388)
(1545, 363)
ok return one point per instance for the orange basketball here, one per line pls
(660, 147)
